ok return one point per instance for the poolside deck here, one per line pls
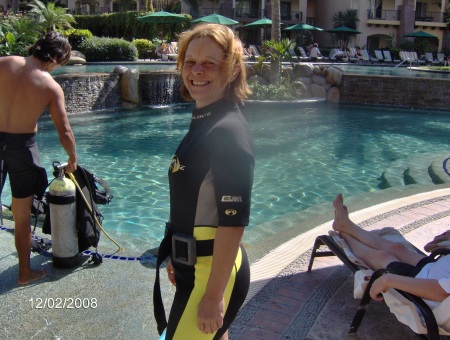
(285, 302)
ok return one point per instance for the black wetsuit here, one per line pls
(211, 178)
(19, 158)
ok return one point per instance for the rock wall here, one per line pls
(387, 90)
(93, 92)
(310, 80)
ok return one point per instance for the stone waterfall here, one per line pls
(160, 88)
(100, 91)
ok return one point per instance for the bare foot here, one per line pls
(33, 276)
(341, 220)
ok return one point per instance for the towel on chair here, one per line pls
(406, 312)
(362, 276)
(389, 233)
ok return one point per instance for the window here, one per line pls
(285, 10)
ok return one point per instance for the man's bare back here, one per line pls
(27, 89)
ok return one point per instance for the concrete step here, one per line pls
(440, 169)
(424, 168)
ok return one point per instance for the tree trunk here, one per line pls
(15, 6)
(276, 19)
(275, 64)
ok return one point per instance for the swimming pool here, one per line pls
(365, 69)
(304, 157)
(403, 71)
(109, 67)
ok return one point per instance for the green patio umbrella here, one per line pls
(162, 18)
(216, 19)
(420, 34)
(343, 29)
(261, 23)
(302, 27)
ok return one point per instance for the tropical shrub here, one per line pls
(16, 34)
(9, 44)
(77, 36)
(282, 91)
(108, 49)
(144, 48)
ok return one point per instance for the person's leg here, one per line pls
(374, 258)
(21, 208)
(344, 225)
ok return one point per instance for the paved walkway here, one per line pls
(320, 305)
(113, 300)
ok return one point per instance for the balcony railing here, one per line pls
(295, 16)
(241, 13)
(383, 15)
(430, 16)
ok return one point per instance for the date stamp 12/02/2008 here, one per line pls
(63, 303)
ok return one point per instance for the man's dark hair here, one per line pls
(53, 46)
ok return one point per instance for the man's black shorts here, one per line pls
(19, 158)
(406, 269)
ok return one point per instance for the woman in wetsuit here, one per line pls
(211, 177)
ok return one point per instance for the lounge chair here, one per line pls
(411, 57)
(293, 55)
(417, 59)
(404, 305)
(353, 57)
(367, 57)
(430, 59)
(379, 55)
(440, 57)
(388, 57)
(303, 55)
(332, 55)
(406, 57)
(254, 51)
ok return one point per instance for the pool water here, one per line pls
(109, 67)
(365, 69)
(403, 71)
(304, 156)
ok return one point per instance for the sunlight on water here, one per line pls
(304, 156)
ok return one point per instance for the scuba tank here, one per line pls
(63, 218)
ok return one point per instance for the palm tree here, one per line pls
(276, 19)
(348, 18)
(193, 4)
(50, 17)
(275, 63)
(15, 6)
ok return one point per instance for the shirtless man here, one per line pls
(27, 89)
(416, 274)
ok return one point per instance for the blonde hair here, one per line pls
(233, 53)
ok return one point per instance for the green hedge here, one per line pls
(108, 49)
(125, 25)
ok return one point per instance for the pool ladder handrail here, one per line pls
(407, 59)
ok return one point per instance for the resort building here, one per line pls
(382, 23)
